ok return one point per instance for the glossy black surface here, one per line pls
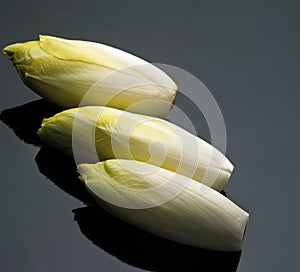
(246, 52)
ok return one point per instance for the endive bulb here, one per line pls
(70, 73)
(92, 133)
(166, 204)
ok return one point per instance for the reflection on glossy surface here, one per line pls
(25, 120)
(126, 242)
(144, 250)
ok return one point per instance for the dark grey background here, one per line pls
(246, 52)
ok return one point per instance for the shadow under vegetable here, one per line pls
(25, 120)
(146, 251)
(62, 171)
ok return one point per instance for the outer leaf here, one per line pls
(111, 133)
(125, 188)
(71, 73)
